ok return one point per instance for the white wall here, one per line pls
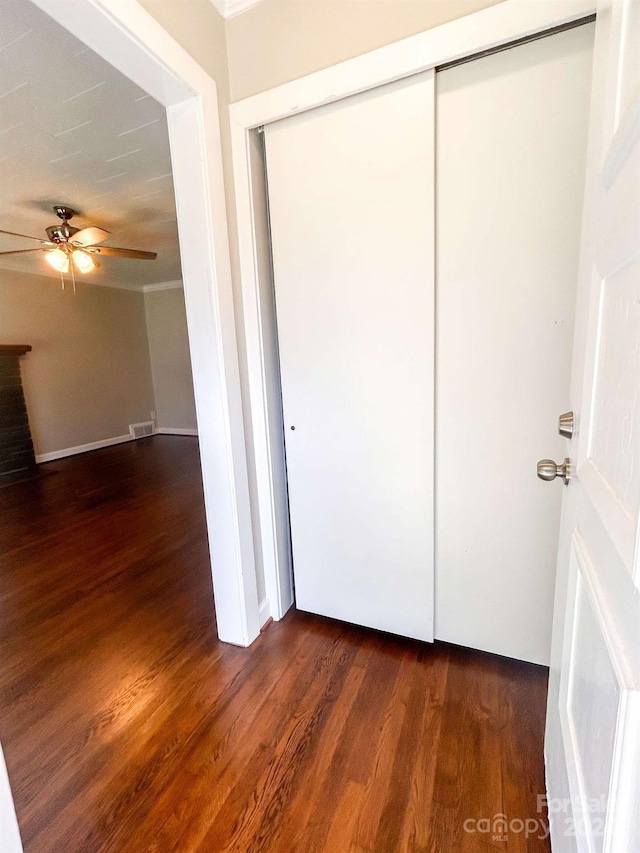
(170, 360)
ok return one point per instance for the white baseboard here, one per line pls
(82, 448)
(264, 612)
(106, 442)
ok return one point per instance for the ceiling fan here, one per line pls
(69, 247)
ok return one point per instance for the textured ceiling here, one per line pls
(74, 130)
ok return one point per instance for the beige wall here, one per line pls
(89, 374)
(170, 359)
(281, 40)
(200, 30)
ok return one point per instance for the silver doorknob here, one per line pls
(548, 470)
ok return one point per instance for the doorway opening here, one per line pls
(106, 570)
(131, 41)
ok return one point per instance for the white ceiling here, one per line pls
(74, 130)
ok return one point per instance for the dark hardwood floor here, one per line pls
(128, 727)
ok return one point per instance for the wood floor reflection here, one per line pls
(128, 727)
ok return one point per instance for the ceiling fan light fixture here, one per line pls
(58, 259)
(83, 262)
(75, 248)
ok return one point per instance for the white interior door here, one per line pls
(592, 745)
(10, 841)
(510, 162)
(351, 204)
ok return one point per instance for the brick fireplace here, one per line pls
(17, 458)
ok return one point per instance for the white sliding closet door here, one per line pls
(351, 203)
(510, 164)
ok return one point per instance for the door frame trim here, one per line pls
(130, 39)
(506, 22)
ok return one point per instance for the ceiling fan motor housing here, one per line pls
(61, 233)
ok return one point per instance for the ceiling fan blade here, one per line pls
(123, 253)
(89, 236)
(27, 236)
(21, 251)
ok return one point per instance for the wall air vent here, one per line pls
(141, 430)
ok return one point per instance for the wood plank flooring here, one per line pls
(128, 727)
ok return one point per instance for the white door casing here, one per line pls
(499, 24)
(592, 747)
(351, 203)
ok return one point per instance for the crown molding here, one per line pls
(54, 277)
(161, 285)
(231, 8)
(114, 285)
(14, 267)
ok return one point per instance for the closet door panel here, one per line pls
(351, 206)
(510, 165)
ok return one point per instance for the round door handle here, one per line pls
(549, 470)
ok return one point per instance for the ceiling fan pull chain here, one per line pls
(62, 279)
(73, 277)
